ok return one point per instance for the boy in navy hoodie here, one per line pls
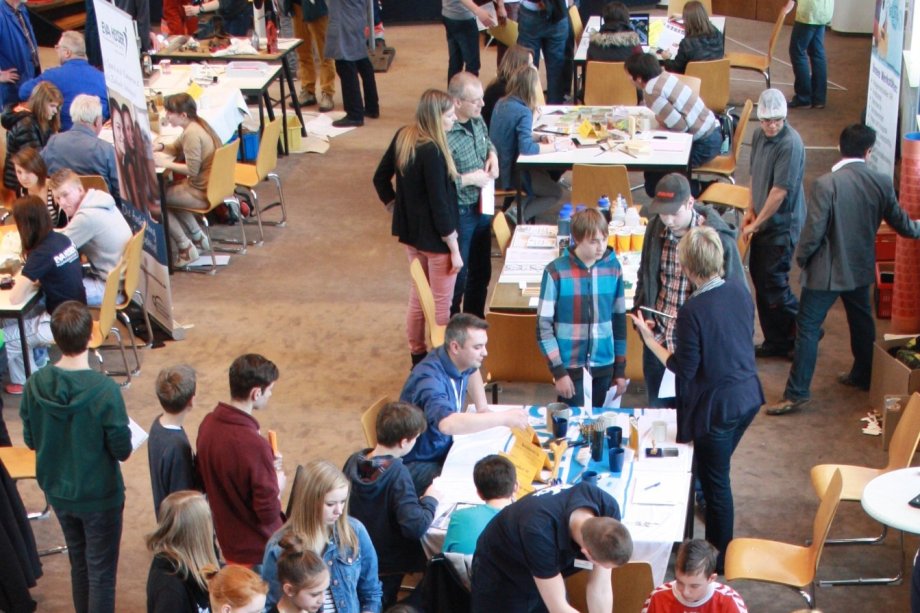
(384, 499)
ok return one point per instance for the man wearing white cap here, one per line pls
(773, 221)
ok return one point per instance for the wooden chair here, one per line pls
(632, 583)
(502, 231)
(690, 81)
(513, 351)
(426, 299)
(855, 478)
(777, 562)
(94, 182)
(676, 7)
(369, 420)
(132, 258)
(607, 83)
(20, 463)
(220, 191)
(725, 165)
(591, 181)
(728, 196)
(577, 27)
(105, 325)
(715, 79)
(248, 176)
(300, 480)
(756, 61)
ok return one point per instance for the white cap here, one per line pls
(771, 105)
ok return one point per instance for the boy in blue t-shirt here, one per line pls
(172, 463)
(496, 483)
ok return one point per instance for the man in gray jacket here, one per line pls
(836, 253)
(96, 227)
(661, 285)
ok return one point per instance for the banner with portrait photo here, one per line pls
(133, 140)
(883, 98)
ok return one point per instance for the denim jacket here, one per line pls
(354, 583)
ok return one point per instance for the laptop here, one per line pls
(639, 23)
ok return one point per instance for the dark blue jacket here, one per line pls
(714, 362)
(384, 499)
(73, 77)
(15, 51)
(437, 388)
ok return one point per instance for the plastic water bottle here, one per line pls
(564, 228)
(618, 214)
(632, 218)
(603, 205)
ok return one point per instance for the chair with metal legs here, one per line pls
(248, 176)
(20, 463)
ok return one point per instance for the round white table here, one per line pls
(885, 499)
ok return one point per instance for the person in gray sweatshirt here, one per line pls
(96, 227)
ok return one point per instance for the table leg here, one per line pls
(295, 103)
(164, 219)
(517, 198)
(691, 500)
(284, 110)
(20, 321)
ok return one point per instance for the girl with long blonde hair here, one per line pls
(424, 205)
(515, 57)
(183, 550)
(319, 517)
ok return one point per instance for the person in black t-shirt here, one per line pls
(53, 264)
(523, 554)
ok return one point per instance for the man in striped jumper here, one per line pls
(581, 316)
(677, 109)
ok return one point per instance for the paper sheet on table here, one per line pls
(659, 488)
(138, 434)
(668, 387)
(459, 466)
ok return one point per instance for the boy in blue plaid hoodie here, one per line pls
(581, 317)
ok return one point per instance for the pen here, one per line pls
(653, 485)
(656, 312)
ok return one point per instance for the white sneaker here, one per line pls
(326, 103)
(186, 258)
(201, 241)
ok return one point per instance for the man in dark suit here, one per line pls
(836, 253)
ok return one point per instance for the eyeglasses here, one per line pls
(478, 100)
(773, 120)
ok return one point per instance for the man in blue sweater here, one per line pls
(438, 386)
(73, 77)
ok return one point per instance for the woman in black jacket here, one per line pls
(616, 39)
(30, 124)
(718, 391)
(424, 205)
(183, 548)
(702, 40)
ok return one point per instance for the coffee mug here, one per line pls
(614, 436)
(589, 476)
(560, 427)
(659, 431)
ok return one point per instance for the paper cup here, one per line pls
(623, 240)
(637, 238)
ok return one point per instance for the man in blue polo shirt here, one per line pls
(73, 77)
(438, 385)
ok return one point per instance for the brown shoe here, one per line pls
(785, 406)
(326, 103)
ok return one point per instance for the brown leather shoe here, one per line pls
(785, 406)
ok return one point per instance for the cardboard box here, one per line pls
(890, 377)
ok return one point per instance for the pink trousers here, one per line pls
(437, 269)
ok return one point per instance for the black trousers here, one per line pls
(348, 72)
(777, 307)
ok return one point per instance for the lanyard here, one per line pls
(457, 393)
(25, 32)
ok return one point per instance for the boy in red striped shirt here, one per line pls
(695, 589)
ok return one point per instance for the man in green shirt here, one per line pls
(75, 420)
(806, 52)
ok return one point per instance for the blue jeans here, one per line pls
(92, 544)
(813, 308)
(653, 371)
(807, 45)
(423, 473)
(539, 34)
(462, 46)
(475, 239)
(712, 455)
(776, 305)
(599, 387)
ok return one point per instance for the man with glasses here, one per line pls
(477, 163)
(773, 221)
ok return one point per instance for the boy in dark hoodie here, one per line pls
(75, 420)
(384, 499)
